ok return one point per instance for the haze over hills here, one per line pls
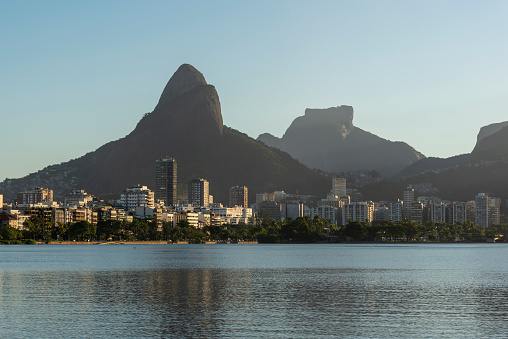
(187, 125)
(327, 139)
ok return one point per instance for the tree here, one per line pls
(355, 230)
(10, 233)
(82, 230)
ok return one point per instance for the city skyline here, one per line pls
(76, 76)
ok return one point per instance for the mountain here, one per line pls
(485, 131)
(187, 125)
(493, 146)
(433, 164)
(327, 139)
(460, 177)
(490, 145)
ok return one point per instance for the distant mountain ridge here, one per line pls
(459, 177)
(186, 124)
(491, 145)
(327, 139)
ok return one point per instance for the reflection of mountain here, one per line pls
(186, 124)
(328, 140)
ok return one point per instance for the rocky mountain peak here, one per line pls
(488, 130)
(185, 79)
(333, 115)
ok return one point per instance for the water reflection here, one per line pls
(209, 293)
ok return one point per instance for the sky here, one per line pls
(75, 75)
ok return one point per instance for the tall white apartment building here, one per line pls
(139, 196)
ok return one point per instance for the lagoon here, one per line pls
(254, 291)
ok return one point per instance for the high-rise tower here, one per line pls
(487, 210)
(408, 199)
(238, 196)
(166, 180)
(199, 192)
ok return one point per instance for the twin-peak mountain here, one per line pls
(186, 124)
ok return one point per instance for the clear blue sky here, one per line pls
(77, 74)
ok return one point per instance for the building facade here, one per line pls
(36, 196)
(338, 186)
(139, 196)
(199, 193)
(408, 199)
(358, 211)
(238, 196)
(166, 181)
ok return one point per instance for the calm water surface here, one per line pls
(285, 291)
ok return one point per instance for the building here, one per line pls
(381, 213)
(435, 212)
(36, 196)
(78, 198)
(354, 195)
(414, 212)
(327, 212)
(199, 193)
(338, 186)
(494, 216)
(408, 199)
(139, 196)
(276, 196)
(358, 211)
(233, 215)
(238, 196)
(292, 210)
(395, 211)
(270, 209)
(166, 181)
(459, 212)
(8, 220)
(487, 210)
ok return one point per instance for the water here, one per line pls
(254, 291)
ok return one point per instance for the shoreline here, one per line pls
(154, 242)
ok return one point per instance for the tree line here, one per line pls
(265, 230)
